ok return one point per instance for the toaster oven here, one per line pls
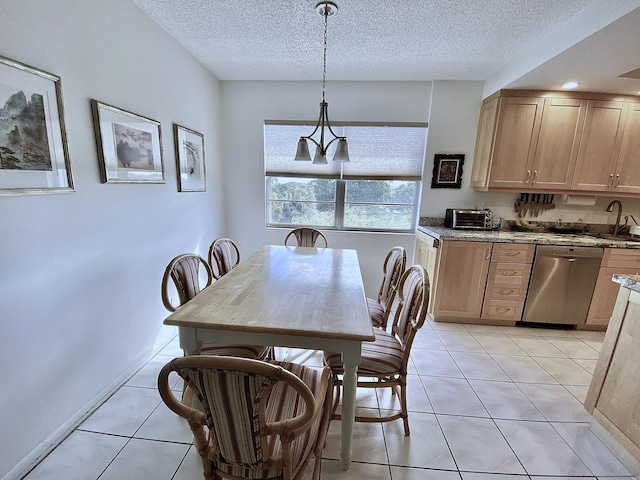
(461, 218)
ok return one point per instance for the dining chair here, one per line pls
(384, 361)
(306, 237)
(190, 274)
(392, 268)
(264, 420)
(224, 255)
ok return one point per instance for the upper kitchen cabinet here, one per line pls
(627, 175)
(556, 141)
(609, 154)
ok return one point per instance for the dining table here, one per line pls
(297, 297)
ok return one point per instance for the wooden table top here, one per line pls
(285, 290)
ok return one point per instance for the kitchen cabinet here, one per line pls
(627, 177)
(558, 141)
(614, 261)
(461, 280)
(514, 145)
(609, 153)
(426, 254)
(613, 393)
(507, 281)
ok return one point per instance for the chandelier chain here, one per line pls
(324, 67)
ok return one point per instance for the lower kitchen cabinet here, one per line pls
(461, 280)
(615, 260)
(507, 282)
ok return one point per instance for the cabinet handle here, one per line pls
(535, 177)
(610, 183)
(509, 274)
(511, 253)
(617, 180)
(528, 177)
(504, 291)
(502, 309)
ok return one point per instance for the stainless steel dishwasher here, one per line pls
(561, 285)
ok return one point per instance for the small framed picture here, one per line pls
(447, 171)
(33, 144)
(190, 159)
(129, 147)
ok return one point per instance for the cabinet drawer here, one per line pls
(509, 272)
(512, 253)
(621, 258)
(503, 310)
(506, 291)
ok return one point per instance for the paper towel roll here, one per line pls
(584, 200)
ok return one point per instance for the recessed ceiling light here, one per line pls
(570, 85)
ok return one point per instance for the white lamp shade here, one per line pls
(342, 151)
(318, 158)
(302, 154)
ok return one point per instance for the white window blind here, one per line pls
(377, 151)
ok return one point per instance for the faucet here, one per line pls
(609, 208)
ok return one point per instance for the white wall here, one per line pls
(245, 106)
(80, 272)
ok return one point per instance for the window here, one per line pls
(378, 190)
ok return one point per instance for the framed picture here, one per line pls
(189, 159)
(34, 158)
(447, 171)
(129, 147)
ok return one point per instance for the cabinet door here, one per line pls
(627, 175)
(427, 256)
(599, 146)
(516, 136)
(484, 144)
(462, 277)
(604, 297)
(557, 146)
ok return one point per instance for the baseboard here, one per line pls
(38, 454)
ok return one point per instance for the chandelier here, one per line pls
(326, 9)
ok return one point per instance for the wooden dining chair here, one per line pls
(384, 361)
(306, 237)
(264, 420)
(191, 274)
(392, 269)
(224, 255)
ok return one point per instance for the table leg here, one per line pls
(187, 338)
(350, 362)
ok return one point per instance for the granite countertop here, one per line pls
(630, 281)
(538, 238)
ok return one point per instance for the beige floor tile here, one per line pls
(425, 447)
(501, 344)
(148, 459)
(541, 449)
(478, 445)
(459, 341)
(479, 366)
(453, 396)
(81, 456)
(565, 370)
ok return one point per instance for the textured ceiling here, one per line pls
(368, 39)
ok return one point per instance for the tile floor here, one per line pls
(501, 403)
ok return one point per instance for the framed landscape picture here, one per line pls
(129, 146)
(190, 159)
(447, 171)
(33, 145)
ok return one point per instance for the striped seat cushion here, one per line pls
(376, 311)
(382, 356)
(254, 352)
